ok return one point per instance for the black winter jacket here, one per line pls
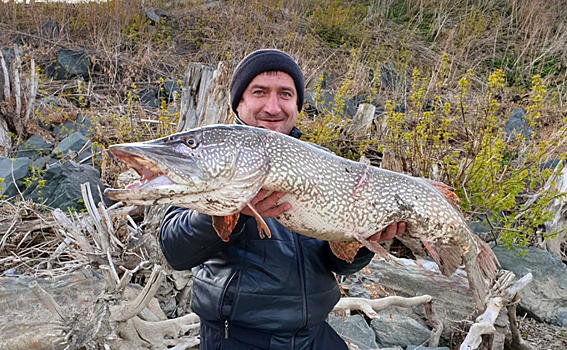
(282, 285)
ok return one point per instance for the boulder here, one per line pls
(354, 330)
(70, 64)
(34, 148)
(61, 186)
(389, 77)
(12, 172)
(517, 125)
(325, 101)
(545, 298)
(408, 278)
(393, 329)
(69, 148)
(82, 124)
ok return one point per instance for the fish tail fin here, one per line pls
(447, 192)
(481, 269)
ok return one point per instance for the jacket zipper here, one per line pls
(302, 286)
(226, 324)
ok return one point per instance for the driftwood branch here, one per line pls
(6, 74)
(131, 309)
(19, 99)
(47, 300)
(371, 306)
(504, 291)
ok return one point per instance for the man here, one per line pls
(253, 293)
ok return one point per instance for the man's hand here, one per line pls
(391, 231)
(266, 207)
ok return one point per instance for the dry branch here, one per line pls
(47, 300)
(501, 294)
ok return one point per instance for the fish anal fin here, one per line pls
(447, 256)
(481, 266)
(263, 229)
(224, 225)
(447, 192)
(374, 247)
(345, 250)
(486, 260)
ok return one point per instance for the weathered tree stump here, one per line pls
(195, 83)
(205, 97)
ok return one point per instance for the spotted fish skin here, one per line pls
(218, 169)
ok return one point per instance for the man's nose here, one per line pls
(272, 105)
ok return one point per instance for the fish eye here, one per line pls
(190, 141)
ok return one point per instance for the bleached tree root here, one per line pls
(504, 291)
(371, 306)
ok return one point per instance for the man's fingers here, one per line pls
(275, 211)
(259, 197)
(266, 207)
(391, 231)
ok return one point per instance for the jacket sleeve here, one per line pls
(187, 238)
(343, 267)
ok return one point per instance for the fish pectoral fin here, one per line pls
(224, 225)
(374, 247)
(263, 229)
(345, 250)
(447, 256)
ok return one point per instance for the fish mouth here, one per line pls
(151, 174)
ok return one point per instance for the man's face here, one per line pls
(270, 101)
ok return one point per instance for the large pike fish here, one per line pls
(218, 169)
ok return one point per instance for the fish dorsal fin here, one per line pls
(447, 256)
(447, 192)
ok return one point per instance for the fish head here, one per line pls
(215, 170)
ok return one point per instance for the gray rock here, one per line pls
(168, 91)
(69, 147)
(156, 16)
(414, 347)
(50, 30)
(354, 329)
(327, 99)
(517, 124)
(545, 298)
(45, 104)
(12, 172)
(452, 299)
(389, 77)
(82, 124)
(149, 98)
(34, 148)
(70, 64)
(393, 329)
(62, 186)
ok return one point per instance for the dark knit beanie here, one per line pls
(264, 61)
